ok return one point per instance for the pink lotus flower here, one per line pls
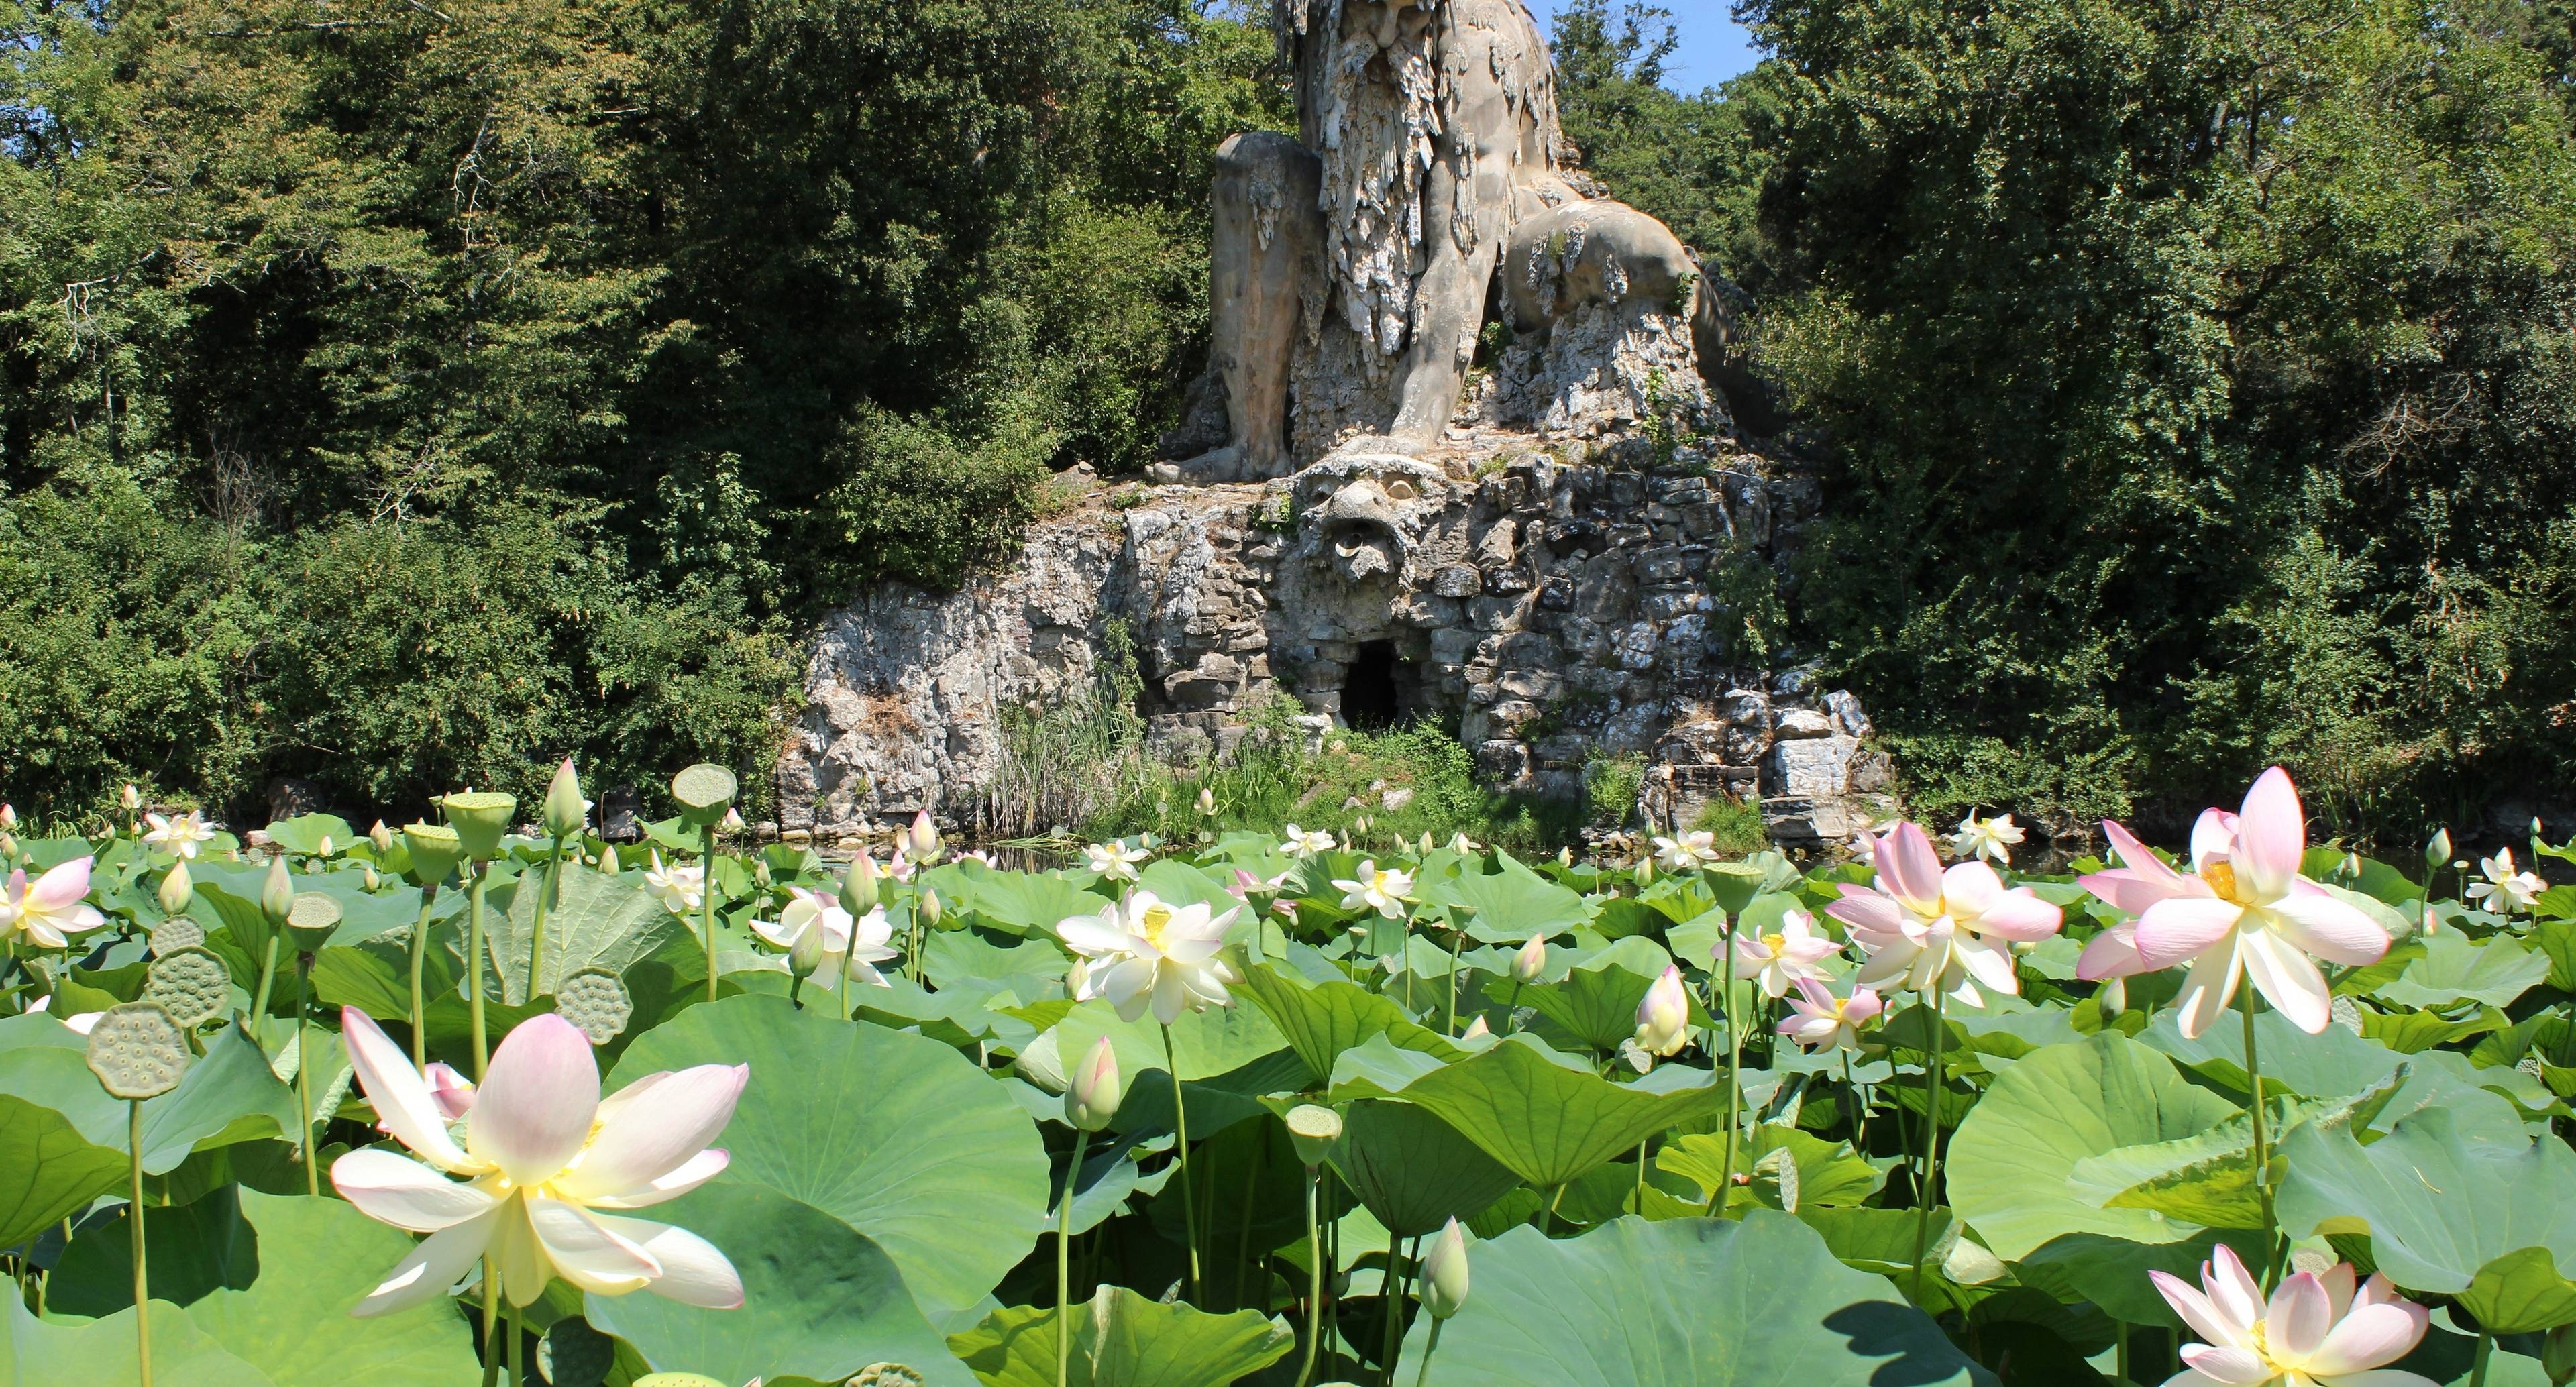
(1782, 956)
(450, 1090)
(1663, 1015)
(51, 909)
(1825, 1019)
(1924, 928)
(542, 1153)
(2243, 910)
(2318, 1331)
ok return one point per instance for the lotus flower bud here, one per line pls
(565, 812)
(929, 907)
(2438, 851)
(481, 820)
(608, 859)
(760, 873)
(924, 837)
(1444, 1272)
(859, 893)
(380, 838)
(2558, 1355)
(132, 799)
(326, 848)
(277, 893)
(1313, 1129)
(370, 878)
(806, 954)
(1565, 857)
(1531, 961)
(435, 851)
(2114, 997)
(1663, 1016)
(730, 825)
(1207, 801)
(1077, 977)
(1092, 1097)
(8, 818)
(1646, 871)
(177, 890)
(1476, 1030)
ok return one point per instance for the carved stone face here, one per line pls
(1363, 537)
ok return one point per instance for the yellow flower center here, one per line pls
(2221, 876)
(1775, 943)
(1156, 919)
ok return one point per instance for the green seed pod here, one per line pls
(704, 793)
(176, 933)
(1313, 1130)
(192, 985)
(596, 1002)
(481, 819)
(310, 921)
(435, 851)
(177, 890)
(566, 812)
(137, 1051)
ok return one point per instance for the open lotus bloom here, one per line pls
(543, 1156)
(1382, 889)
(180, 835)
(2243, 911)
(1686, 851)
(1115, 861)
(1298, 842)
(858, 945)
(1148, 952)
(1925, 929)
(49, 910)
(682, 887)
(1784, 955)
(2317, 1330)
(1992, 839)
(1823, 1019)
(2505, 889)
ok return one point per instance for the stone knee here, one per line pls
(1266, 229)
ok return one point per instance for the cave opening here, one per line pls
(1380, 690)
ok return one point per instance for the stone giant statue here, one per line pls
(1354, 269)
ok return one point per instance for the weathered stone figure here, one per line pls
(1352, 268)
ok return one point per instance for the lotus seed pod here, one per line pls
(924, 837)
(380, 838)
(859, 885)
(137, 1051)
(435, 851)
(177, 890)
(2438, 851)
(704, 793)
(310, 921)
(566, 812)
(277, 893)
(1444, 1272)
(930, 908)
(608, 859)
(1531, 961)
(1313, 1129)
(1092, 1097)
(176, 933)
(481, 819)
(596, 1002)
(192, 985)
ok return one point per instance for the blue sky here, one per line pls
(1713, 49)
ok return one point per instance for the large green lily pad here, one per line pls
(1122, 1339)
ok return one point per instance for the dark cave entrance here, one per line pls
(1381, 689)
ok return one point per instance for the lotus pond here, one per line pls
(479, 1100)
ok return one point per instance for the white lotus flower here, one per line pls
(1382, 889)
(543, 1156)
(1926, 929)
(1145, 951)
(2505, 890)
(1300, 843)
(682, 886)
(812, 910)
(80, 1022)
(52, 908)
(1992, 839)
(1782, 956)
(1687, 851)
(1115, 861)
(180, 834)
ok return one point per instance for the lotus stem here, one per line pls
(1181, 1147)
(1860, 1111)
(1931, 1135)
(474, 967)
(1457, 941)
(1064, 1263)
(537, 927)
(1512, 1009)
(2262, 1148)
(419, 953)
(142, 1279)
(1734, 1067)
(2486, 1346)
(707, 899)
(267, 978)
(1396, 1280)
(303, 1079)
(516, 1331)
(1314, 1283)
(491, 1323)
(1429, 1349)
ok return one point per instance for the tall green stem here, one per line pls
(1860, 1111)
(2486, 1346)
(1314, 1283)
(303, 1079)
(491, 1322)
(513, 1325)
(1428, 1349)
(537, 926)
(1931, 1134)
(419, 1004)
(474, 966)
(142, 1281)
(2262, 1148)
(1457, 941)
(267, 979)
(1064, 1263)
(1181, 1146)
(1734, 1070)
(707, 900)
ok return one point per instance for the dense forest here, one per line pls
(403, 393)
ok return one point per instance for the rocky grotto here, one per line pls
(1456, 457)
